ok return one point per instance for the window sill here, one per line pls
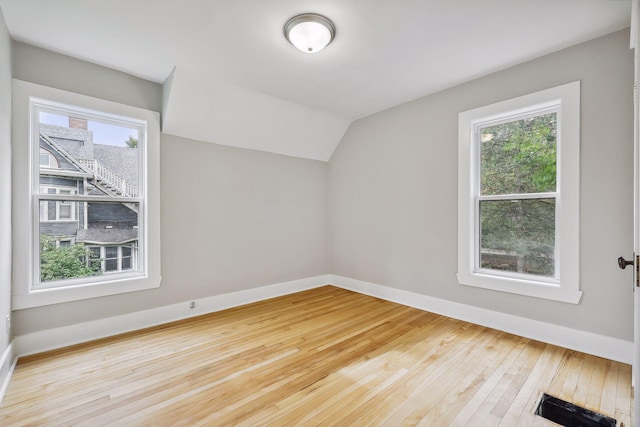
(40, 297)
(521, 287)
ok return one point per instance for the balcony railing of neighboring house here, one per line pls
(109, 180)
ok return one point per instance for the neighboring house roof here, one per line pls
(123, 161)
(64, 153)
(79, 144)
(104, 236)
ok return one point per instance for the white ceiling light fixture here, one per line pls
(309, 32)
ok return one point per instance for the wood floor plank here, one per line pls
(439, 360)
(322, 357)
(494, 373)
(540, 379)
(607, 404)
(624, 396)
(532, 352)
(582, 387)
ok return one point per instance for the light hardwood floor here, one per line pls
(321, 357)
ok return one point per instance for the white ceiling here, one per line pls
(238, 82)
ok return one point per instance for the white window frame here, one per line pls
(565, 286)
(27, 292)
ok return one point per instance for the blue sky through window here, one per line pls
(103, 133)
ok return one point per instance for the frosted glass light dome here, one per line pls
(309, 32)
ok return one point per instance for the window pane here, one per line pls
(111, 265)
(95, 262)
(44, 160)
(65, 210)
(111, 252)
(51, 211)
(103, 226)
(518, 236)
(519, 157)
(106, 154)
(126, 263)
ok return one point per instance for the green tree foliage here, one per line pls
(63, 263)
(519, 157)
(132, 142)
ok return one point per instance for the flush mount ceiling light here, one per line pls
(309, 32)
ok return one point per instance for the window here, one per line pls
(63, 210)
(47, 160)
(112, 258)
(89, 190)
(518, 188)
(103, 164)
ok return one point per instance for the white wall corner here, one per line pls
(51, 339)
(586, 342)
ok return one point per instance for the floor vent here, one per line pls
(569, 415)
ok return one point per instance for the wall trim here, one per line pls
(574, 339)
(7, 365)
(51, 339)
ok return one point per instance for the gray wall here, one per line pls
(231, 219)
(5, 182)
(393, 189)
(47, 68)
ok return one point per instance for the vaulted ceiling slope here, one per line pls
(232, 78)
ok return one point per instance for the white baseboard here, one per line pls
(7, 365)
(586, 342)
(50, 339)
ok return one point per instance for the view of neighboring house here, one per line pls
(72, 164)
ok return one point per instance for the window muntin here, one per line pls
(536, 255)
(102, 158)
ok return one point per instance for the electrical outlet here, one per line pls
(8, 324)
(192, 305)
